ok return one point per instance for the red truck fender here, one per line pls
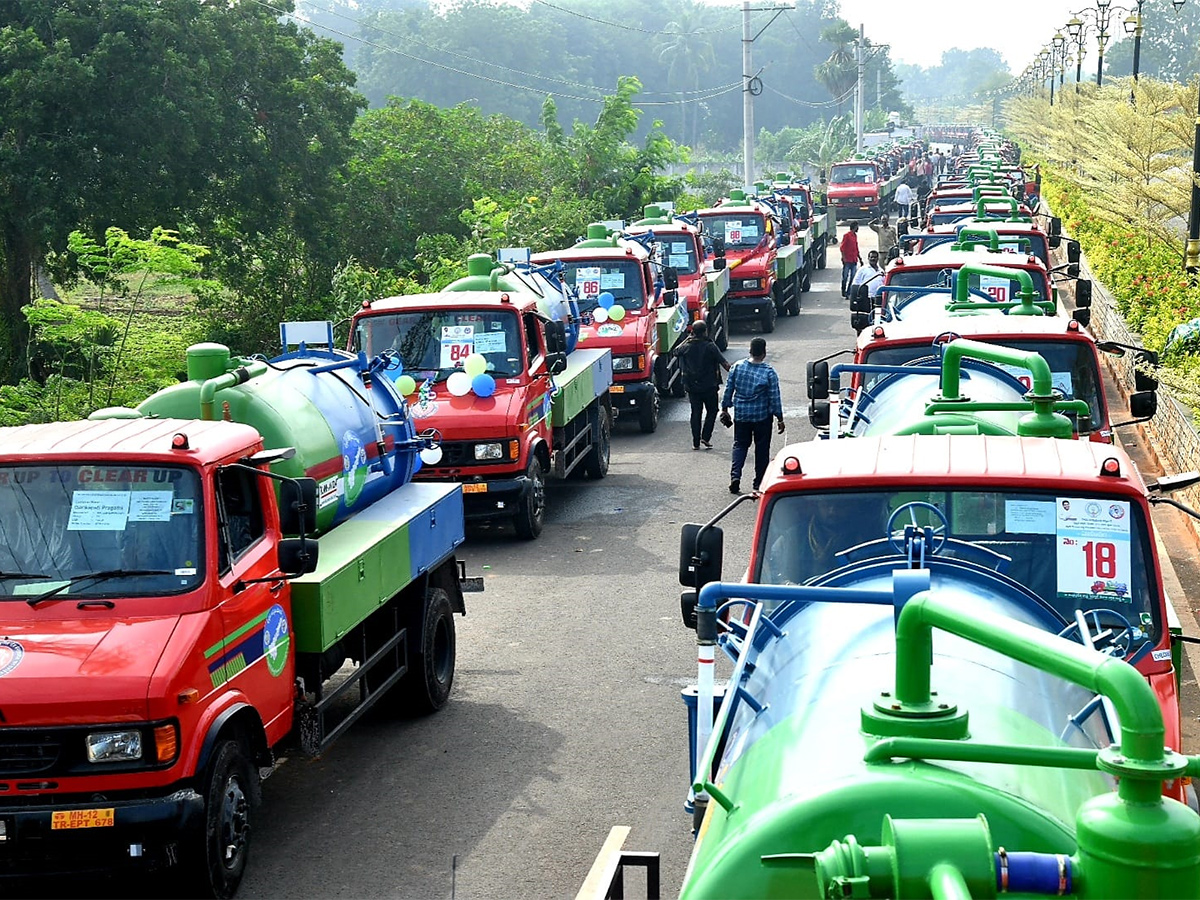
(232, 712)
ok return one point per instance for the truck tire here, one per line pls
(532, 514)
(425, 687)
(768, 319)
(821, 260)
(721, 338)
(216, 860)
(805, 281)
(662, 376)
(595, 464)
(648, 415)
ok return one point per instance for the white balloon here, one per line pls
(431, 456)
(600, 314)
(459, 384)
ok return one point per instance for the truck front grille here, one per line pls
(28, 754)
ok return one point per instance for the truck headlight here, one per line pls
(623, 364)
(114, 746)
(750, 284)
(489, 451)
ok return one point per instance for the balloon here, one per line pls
(606, 299)
(431, 456)
(406, 384)
(483, 384)
(416, 464)
(475, 364)
(616, 312)
(459, 384)
(599, 314)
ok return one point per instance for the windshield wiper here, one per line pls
(39, 576)
(95, 576)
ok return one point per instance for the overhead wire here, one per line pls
(572, 12)
(710, 94)
(812, 104)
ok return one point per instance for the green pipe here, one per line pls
(1079, 407)
(962, 279)
(1001, 754)
(954, 351)
(975, 236)
(1015, 308)
(1141, 750)
(981, 206)
(246, 369)
(947, 883)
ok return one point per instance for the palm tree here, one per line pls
(839, 73)
(687, 50)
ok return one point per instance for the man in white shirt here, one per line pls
(871, 275)
(904, 199)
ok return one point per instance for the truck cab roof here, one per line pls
(943, 256)
(990, 328)
(455, 300)
(141, 438)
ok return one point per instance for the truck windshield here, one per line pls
(741, 231)
(432, 344)
(59, 523)
(1072, 364)
(1025, 242)
(852, 175)
(593, 277)
(1002, 290)
(1073, 549)
(678, 251)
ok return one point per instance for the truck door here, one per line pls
(256, 656)
(537, 401)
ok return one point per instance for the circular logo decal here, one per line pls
(354, 466)
(11, 654)
(1093, 509)
(275, 639)
(1116, 512)
(609, 329)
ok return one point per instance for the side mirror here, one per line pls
(718, 245)
(701, 553)
(297, 507)
(818, 379)
(1143, 404)
(902, 227)
(670, 277)
(894, 253)
(1073, 270)
(1054, 240)
(1073, 252)
(1083, 293)
(860, 298)
(718, 264)
(1083, 316)
(1144, 381)
(556, 338)
(786, 224)
(818, 413)
(556, 363)
(859, 321)
(297, 556)
(1055, 225)
(670, 298)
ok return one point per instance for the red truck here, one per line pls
(621, 288)
(859, 189)
(542, 410)
(747, 230)
(163, 636)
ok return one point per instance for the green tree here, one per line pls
(839, 73)
(687, 50)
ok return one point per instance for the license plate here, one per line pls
(617, 389)
(478, 488)
(81, 818)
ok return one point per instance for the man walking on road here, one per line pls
(851, 257)
(886, 237)
(701, 362)
(753, 392)
(904, 199)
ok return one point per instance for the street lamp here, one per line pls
(1077, 30)
(1058, 60)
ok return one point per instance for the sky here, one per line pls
(919, 31)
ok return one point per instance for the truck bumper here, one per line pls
(145, 834)
(844, 211)
(749, 307)
(494, 498)
(630, 395)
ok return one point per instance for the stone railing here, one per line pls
(1171, 434)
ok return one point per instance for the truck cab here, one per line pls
(747, 230)
(702, 275)
(619, 296)
(504, 440)
(859, 189)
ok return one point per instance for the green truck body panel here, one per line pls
(372, 556)
(717, 287)
(672, 326)
(588, 375)
(789, 260)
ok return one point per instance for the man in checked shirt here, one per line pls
(753, 392)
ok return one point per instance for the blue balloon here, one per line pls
(483, 385)
(606, 299)
(417, 463)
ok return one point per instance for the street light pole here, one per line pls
(1075, 30)
(1101, 37)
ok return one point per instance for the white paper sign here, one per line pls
(150, 506)
(996, 288)
(491, 342)
(458, 342)
(1094, 551)
(612, 281)
(679, 247)
(587, 281)
(1029, 517)
(679, 262)
(98, 511)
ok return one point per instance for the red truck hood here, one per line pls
(79, 671)
(469, 417)
(856, 187)
(631, 339)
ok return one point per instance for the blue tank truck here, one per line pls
(173, 638)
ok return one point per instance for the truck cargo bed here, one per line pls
(588, 375)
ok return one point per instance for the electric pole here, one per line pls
(751, 83)
(858, 93)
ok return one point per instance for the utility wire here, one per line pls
(572, 12)
(823, 104)
(411, 40)
(716, 92)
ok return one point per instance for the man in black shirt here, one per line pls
(700, 363)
